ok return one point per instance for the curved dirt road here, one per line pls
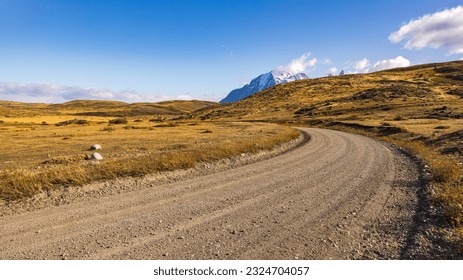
(338, 196)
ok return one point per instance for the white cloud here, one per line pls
(52, 93)
(184, 97)
(399, 61)
(299, 64)
(441, 29)
(333, 71)
(361, 65)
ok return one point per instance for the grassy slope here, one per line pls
(378, 96)
(419, 108)
(423, 101)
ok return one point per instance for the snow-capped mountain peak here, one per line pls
(262, 82)
(282, 76)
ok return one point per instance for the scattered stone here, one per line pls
(96, 156)
(95, 147)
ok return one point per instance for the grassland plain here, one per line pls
(44, 145)
(418, 108)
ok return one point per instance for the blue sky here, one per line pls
(54, 51)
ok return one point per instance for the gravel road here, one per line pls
(336, 196)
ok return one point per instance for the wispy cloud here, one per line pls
(300, 64)
(441, 29)
(361, 65)
(52, 93)
(399, 61)
(364, 66)
(333, 71)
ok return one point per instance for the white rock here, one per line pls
(96, 156)
(95, 147)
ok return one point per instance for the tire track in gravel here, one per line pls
(321, 200)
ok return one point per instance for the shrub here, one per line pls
(74, 121)
(118, 121)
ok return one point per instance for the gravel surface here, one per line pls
(335, 196)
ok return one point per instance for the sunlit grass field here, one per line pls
(45, 151)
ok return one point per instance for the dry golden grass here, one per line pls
(44, 156)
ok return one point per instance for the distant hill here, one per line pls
(404, 92)
(102, 108)
(262, 82)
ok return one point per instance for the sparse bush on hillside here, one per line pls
(166, 125)
(74, 121)
(118, 121)
(158, 119)
(135, 127)
(442, 127)
(108, 129)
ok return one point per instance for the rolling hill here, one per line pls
(101, 108)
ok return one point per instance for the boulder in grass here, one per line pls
(96, 156)
(95, 147)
